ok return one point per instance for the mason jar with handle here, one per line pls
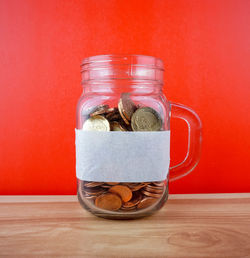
(123, 137)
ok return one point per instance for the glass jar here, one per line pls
(122, 137)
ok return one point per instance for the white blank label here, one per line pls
(122, 156)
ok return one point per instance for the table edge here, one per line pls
(73, 198)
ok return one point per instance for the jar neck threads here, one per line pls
(138, 69)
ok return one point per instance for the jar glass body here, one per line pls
(105, 79)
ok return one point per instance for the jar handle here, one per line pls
(194, 141)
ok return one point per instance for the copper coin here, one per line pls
(112, 183)
(108, 201)
(153, 187)
(93, 191)
(157, 191)
(92, 184)
(128, 209)
(134, 201)
(115, 126)
(115, 115)
(122, 115)
(85, 113)
(130, 185)
(138, 187)
(155, 195)
(105, 186)
(111, 110)
(135, 186)
(146, 119)
(146, 202)
(123, 126)
(101, 109)
(128, 107)
(162, 183)
(123, 191)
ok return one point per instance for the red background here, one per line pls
(206, 49)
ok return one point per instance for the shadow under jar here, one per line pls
(123, 137)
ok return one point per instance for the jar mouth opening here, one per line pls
(97, 61)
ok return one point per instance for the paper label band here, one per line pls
(122, 156)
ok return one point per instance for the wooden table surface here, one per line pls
(187, 226)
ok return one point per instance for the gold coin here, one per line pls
(96, 123)
(146, 202)
(146, 119)
(108, 201)
(123, 191)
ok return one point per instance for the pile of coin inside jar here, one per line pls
(115, 196)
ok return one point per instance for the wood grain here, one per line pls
(187, 226)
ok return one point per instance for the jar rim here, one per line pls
(131, 59)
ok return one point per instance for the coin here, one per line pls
(93, 191)
(123, 191)
(85, 112)
(108, 201)
(115, 126)
(101, 109)
(161, 183)
(128, 209)
(123, 126)
(152, 190)
(153, 187)
(92, 184)
(134, 201)
(146, 119)
(146, 202)
(122, 115)
(105, 186)
(112, 183)
(138, 187)
(131, 184)
(127, 106)
(96, 123)
(111, 110)
(113, 115)
(155, 195)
